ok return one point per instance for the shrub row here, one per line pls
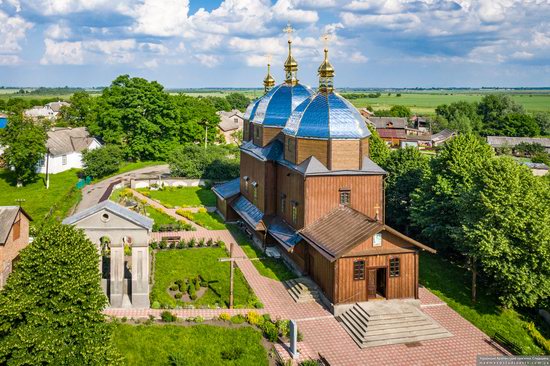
(539, 339)
(191, 243)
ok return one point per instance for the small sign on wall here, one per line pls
(377, 240)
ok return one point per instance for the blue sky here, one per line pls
(189, 43)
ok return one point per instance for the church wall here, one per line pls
(257, 136)
(345, 155)
(290, 149)
(291, 184)
(364, 148)
(390, 242)
(255, 170)
(269, 134)
(309, 147)
(323, 194)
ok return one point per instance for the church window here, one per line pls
(345, 197)
(255, 192)
(359, 270)
(395, 268)
(377, 240)
(283, 203)
(246, 179)
(294, 212)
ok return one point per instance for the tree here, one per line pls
(407, 168)
(529, 149)
(436, 205)
(378, 150)
(101, 162)
(493, 106)
(543, 121)
(25, 143)
(51, 306)
(219, 103)
(513, 124)
(506, 230)
(138, 116)
(194, 161)
(81, 112)
(400, 111)
(460, 116)
(194, 115)
(238, 101)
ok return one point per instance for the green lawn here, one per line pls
(174, 264)
(269, 267)
(61, 196)
(452, 285)
(425, 103)
(183, 196)
(208, 220)
(151, 345)
(160, 218)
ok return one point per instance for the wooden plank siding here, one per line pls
(345, 155)
(401, 287)
(308, 147)
(323, 194)
(257, 136)
(269, 134)
(255, 170)
(290, 149)
(321, 270)
(291, 184)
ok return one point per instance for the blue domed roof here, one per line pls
(274, 108)
(326, 115)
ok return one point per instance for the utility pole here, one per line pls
(48, 169)
(206, 138)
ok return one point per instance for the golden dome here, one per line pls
(269, 81)
(326, 69)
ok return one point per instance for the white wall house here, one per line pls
(65, 146)
(49, 111)
(230, 122)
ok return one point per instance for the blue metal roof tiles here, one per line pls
(326, 116)
(246, 209)
(274, 108)
(227, 189)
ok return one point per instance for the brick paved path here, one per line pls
(324, 335)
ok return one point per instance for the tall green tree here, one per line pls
(238, 101)
(513, 124)
(219, 103)
(407, 169)
(101, 162)
(81, 112)
(492, 107)
(378, 149)
(138, 116)
(193, 116)
(436, 205)
(51, 307)
(461, 116)
(25, 142)
(543, 121)
(507, 231)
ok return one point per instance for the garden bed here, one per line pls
(208, 220)
(181, 264)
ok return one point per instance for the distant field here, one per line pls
(426, 103)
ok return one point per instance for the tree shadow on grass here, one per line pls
(206, 197)
(454, 283)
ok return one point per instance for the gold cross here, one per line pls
(269, 56)
(289, 30)
(325, 37)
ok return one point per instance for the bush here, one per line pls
(202, 210)
(253, 318)
(198, 319)
(267, 317)
(309, 363)
(192, 292)
(168, 317)
(238, 319)
(155, 305)
(178, 295)
(163, 244)
(538, 338)
(180, 283)
(283, 327)
(270, 331)
(210, 242)
(102, 161)
(174, 287)
(181, 244)
(234, 353)
(221, 244)
(191, 243)
(193, 161)
(225, 317)
(197, 283)
(202, 242)
(154, 245)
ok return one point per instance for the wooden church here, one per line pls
(308, 187)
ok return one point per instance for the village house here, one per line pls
(499, 142)
(14, 236)
(65, 146)
(230, 123)
(393, 130)
(308, 190)
(49, 111)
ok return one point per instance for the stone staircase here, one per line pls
(302, 290)
(380, 323)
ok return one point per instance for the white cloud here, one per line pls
(162, 18)
(12, 31)
(65, 53)
(286, 10)
(58, 31)
(118, 51)
(357, 57)
(9, 60)
(208, 60)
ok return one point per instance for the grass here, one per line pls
(60, 197)
(425, 103)
(160, 218)
(171, 265)
(208, 220)
(183, 196)
(151, 345)
(272, 268)
(452, 285)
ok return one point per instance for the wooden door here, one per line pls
(371, 286)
